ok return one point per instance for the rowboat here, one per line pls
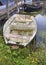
(31, 6)
(19, 29)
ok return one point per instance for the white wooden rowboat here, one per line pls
(19, 29)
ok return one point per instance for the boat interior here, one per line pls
(20, 34)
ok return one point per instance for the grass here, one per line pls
(21, 56)
(30, 13)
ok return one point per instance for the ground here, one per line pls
(23, 56)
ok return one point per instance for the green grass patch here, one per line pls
(21, 56)
(30, 13)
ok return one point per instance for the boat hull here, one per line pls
(31, 8)
(19, 37)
